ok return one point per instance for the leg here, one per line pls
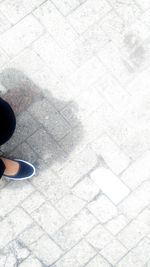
(12, 169)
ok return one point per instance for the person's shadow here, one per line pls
(45, 135)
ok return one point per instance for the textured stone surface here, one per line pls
(76, 73)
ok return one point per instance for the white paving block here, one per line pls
(87, 14)
(116, 63)
(75, 229)
(145, 4)
(113, 25)
(97, 262)
(81, 164)
(110, 184)
(15, 10)
(86, 189)
(102, 208)
(48, 218)
(117, 224)
(13, 225)
(21, 35)
(46, 250)
(54, 57)
(13, 194)
(114, 93)
(33, 202)
(114, 251)
(31, 261)
(66, 6)
(56, 24)
(136, 201)
(87, 74)
(113, 156)
(128, 10)
(138, 256)
(99, 237)
(4, 23)
(135, 230)
(31, 234)
(69, 205)
(138, 172)
(77, 256)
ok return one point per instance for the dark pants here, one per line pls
(7, 126)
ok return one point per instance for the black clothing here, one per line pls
(7, 126)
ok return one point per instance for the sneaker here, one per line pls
(26, 171)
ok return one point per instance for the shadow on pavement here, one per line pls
(40, 125)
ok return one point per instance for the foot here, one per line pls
(18, 169)
(12, 166)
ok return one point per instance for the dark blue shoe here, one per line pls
(26, 171)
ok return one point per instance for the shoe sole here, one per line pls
(25, 178)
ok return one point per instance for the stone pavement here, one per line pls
(77, 74)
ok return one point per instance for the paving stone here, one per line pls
(46, 250)
(114, 251)
(69, 206)
(86, 189)
(50, 185)
(22, 132)
(3, 58)
(94, 37)
(33, 202)
(77, 256)
(136, 201)
(113, 156)
(56, 24)
(65, 7)
(116, 63)
(31, 261)
(10, 260)
(51, 119)
(114, 93)
(13, 194)
(137, 172)
(87, 74)
(99, 237)
(77, 75)
(48, 218)
(138, 256)
(16, 10)
(21, 35)
(45, 146)
(116, 191)
(135, 230)
(117, 224)
(87, 14)
(54, 57)
(128, 10)
(145, 18)
(13, 225)
(74, 141)
(86, 104)
(4, 23)
(24, 151)
(30, 235)
(102, 208)
(113, 25)
(17, 251)
(98, 261)
(75, 229)
(144, 4)
(78, 167)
